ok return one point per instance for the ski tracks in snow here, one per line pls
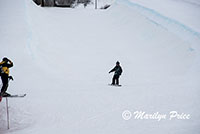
(31, 40)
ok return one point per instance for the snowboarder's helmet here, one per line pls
(117, 63)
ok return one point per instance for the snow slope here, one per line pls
(62, 58)
(185, 11)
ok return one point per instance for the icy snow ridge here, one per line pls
(174, 26)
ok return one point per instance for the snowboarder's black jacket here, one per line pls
(117, 69)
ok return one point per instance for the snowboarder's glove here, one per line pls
(10, 77)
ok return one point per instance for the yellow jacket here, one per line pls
(5, 67)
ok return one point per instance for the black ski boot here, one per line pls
(6, 94)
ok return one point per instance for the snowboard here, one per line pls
(115, 85)
(0, 98)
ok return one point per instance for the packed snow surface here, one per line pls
(62, 58)
(185, 11)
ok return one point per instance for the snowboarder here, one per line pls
(4, 72)
(118, 71)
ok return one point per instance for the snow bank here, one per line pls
(184, 11)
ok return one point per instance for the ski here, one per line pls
(16, 96)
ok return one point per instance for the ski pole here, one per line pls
(7, 109)
(7, 113)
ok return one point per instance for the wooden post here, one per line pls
(8, 123)
(42, 3)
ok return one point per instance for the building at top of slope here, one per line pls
(61, 3)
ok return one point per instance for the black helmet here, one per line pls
(117, 63)
(5, 59)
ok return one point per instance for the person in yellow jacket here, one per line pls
(4, 66)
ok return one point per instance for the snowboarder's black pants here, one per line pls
(115, 79)
(4, 78)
